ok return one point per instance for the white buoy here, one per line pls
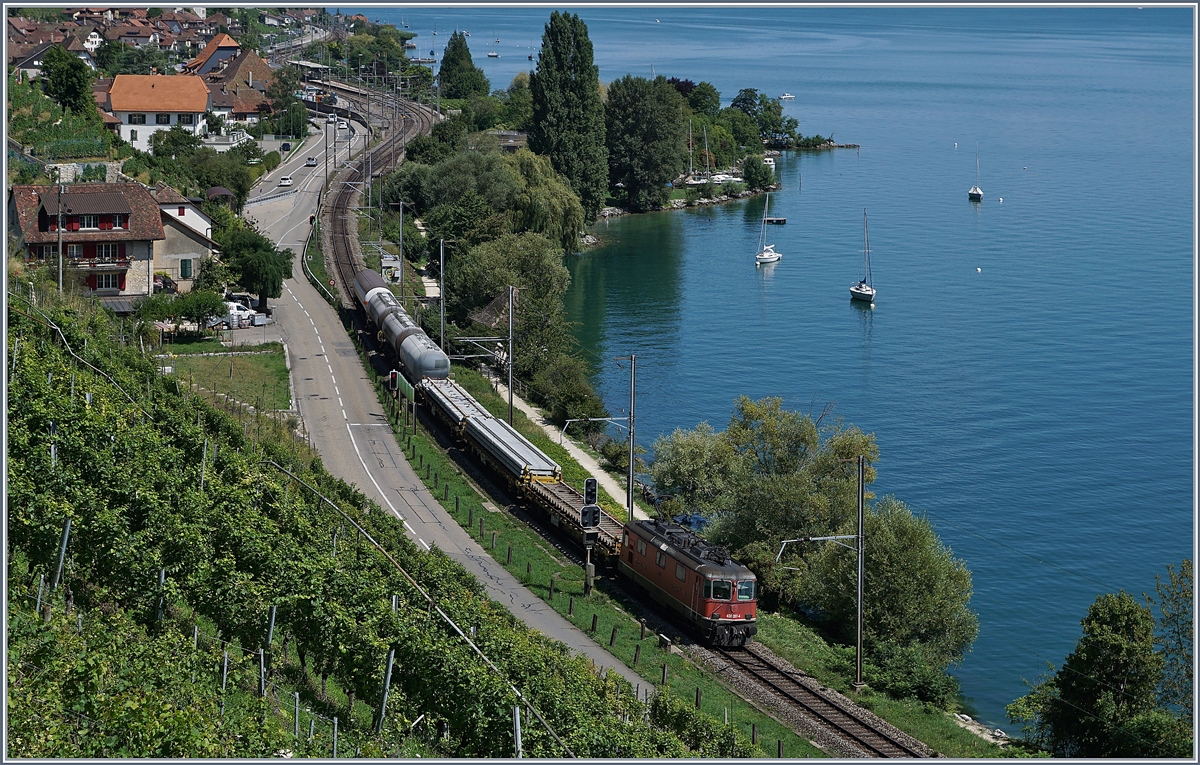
(978, 270)
(956, 144)
(1001, 199)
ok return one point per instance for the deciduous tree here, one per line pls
(568, 116)
(1102, 701)
(756, 173)
(68, 80)
(647, 139)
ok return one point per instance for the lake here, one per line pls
(1027, 368)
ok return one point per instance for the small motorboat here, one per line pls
(787, 97)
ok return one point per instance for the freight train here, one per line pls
(716, 595)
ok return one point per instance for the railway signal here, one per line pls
(589, 516)
(392, 385)
(589, 492)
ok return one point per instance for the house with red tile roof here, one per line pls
(239, 89)
(220, 48)
(147, 103)
(186, 240)
(109, 231)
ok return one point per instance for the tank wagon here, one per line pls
(695, 579)
(677, 567)
(419, 356)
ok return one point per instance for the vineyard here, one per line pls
(184, 584)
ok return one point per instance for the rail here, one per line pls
(843, 721)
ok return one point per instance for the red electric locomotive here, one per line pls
(679, 569)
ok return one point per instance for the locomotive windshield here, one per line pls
(722, 589)
(746, 590)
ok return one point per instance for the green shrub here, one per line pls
(271, 161)
(692, 195)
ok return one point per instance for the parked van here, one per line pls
(237, 314)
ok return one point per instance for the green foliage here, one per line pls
(563, 388)
(128, 475)
(115, 58)
(176, 143)
(568, 116)
(1176, 637)
(68, 80)
(260, 266)
(518, 104)
(271, 160)
(742, 127)
(459, 76)
(294, 121)
(767, 113)
(705, 99)
(756, 173)
(915, 594)
(1102, 702)
(646, 139)
(52, 131)
(910, 672)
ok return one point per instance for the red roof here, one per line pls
(144, 219)
(158, 93)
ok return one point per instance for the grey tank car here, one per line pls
(420, 356)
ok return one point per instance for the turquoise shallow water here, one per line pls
(1038, 409)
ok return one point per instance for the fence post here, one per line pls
(664, 675)
(779, 748)
(62, 552)
(335, 737)
(637, 653)
(297, 726)
(571, 606)
(595, 619)
(262, 673)
(395, 602)
(162, 582)
(612, 640)
(699, 695)
(271, 627)
(41, 586)
(203, 465)
(224, 677)
(481, 534)
(517, 730)
(387, 683)
(508, 560)
(754, 733)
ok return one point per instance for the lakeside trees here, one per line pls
(568, 116)
(1104, 700)
(775, 474)
(646, 139)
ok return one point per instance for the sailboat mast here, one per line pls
(690, 148)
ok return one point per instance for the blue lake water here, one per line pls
(1028, 367)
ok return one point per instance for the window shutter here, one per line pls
(121, 252)
(89, 250)
(182, 210)
(121, 282)
(91, 281)
(74, 226)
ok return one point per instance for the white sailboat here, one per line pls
(766, 252)
(864, 291)
(492, 53)
(976, 193)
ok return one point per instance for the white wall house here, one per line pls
(146, 103)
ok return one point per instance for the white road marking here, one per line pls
(340, 402)
(336, 391)
(422, 541)
(372, 477)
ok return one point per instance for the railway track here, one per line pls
(343, 222)
(846, 722)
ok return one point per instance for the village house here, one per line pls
(186, 241)
(219, 49)
(109, 231)
(146, 103)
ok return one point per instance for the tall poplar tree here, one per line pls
(568, 117)
(459, 76)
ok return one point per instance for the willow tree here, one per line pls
(459, 76)
(568, 117)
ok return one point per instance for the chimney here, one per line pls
(252, 78)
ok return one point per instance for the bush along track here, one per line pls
(182, 524)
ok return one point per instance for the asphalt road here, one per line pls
(347, 427)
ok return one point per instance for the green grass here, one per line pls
(808, 651)
(190, 344)
(535, 562)
(260, 380)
